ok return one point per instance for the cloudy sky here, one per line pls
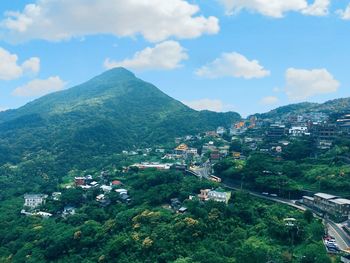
(243, 55)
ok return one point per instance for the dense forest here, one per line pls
(147, 230)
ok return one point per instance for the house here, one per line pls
(181, 149)
(100, 197)
(182, 210)
(215, 155)
(220, 131)
(175, 203)
(125, 198)
(43, 214)
(215, 195)
(116, 183)
(56, 196)
(121, 191)
(106, 188)
(34, 200)
(68, 210)
(93, 184)
(219, 196)
(79, 181)
(298, 131)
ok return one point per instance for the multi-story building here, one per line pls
(298, 131)
(331, 204)
(34, 200)
(276, 131)
(219, 196)
(344, 125)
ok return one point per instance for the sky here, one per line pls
(247, 56)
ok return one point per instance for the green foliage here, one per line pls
(147, 230)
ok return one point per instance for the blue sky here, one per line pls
(248, 56)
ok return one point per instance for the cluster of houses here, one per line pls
(33, 201)
(335, 206)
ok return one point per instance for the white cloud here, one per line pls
(31, 65)
(344, 14)
(208, 104)
(205, 104)
(269, 100)
(166, 55)
(155, 20)
(302, 83)
(318, 8)
(233, 65)
(10, 69)
(277, 8)
(39, 87)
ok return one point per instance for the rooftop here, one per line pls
(341, 201)
(325, 196)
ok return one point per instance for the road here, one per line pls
(203, 171)
(342, 239)
(340, 236)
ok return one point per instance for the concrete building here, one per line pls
(298, 131)
(219, 196)
(34, 200)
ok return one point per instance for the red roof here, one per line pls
(116, 182)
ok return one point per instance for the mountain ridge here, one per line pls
(108, 113)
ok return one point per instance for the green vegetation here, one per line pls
(246, 230)
(294, 171)
(75, 122)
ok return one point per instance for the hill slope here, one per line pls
(111, 112)
(337, 106)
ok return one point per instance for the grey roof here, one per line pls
(341, 201)
(35, 196)
(325, 196)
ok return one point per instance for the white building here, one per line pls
(34, 200)
(220, 131)
(219, 196)
(297, 131)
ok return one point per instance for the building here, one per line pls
(220, 131)
(325, 132)
(56, 196)
(158, 166)
(339, 207)
(331, 204)
(34, 200)
(344, 125)
(321, 201)
(308, 201)
(276, 131)
(298, 131)
(181, 149)
(215, 195)
(79, 181)
(219, 196)
(116, 183)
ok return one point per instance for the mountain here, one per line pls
(109, 113)
(332, 107)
